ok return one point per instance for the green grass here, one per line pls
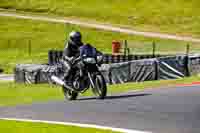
(17, 35)
(24, 127)
(14, 94)
(172, 16)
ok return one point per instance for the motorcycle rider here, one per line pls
(71, 51)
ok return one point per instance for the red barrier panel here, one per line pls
(116, 47)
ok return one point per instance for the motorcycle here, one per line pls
(85, 75)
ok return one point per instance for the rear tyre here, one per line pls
(100, 86)
(69, 95)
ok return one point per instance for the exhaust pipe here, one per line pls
(60, 82)
(57, 80)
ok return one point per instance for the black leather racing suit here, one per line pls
(71, 52)
(72, 49)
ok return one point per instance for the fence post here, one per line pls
(156, 69)
(110, 77)
(125, 46)
(154, 49)
(128, 49)
(187, 60)
(9, 43)
(29, 47)
(188, 49)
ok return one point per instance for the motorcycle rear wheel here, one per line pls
(69, 94)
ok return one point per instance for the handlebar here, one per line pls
(76, 60)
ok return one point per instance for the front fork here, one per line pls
(91, 80)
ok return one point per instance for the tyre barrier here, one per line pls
(132, 71)
(172, 67)
(194, 65)
(54, 57)
(1, 70)
(36, 73)
(113, 73)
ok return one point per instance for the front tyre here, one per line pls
(69, 95)
(100, 86)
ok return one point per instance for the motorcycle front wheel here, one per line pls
(69, 94)
(100, 88)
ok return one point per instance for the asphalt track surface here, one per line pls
(170, 110)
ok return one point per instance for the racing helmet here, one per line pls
(75, 36)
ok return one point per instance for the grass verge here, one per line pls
(14, 94)
(28, 41)
(24, 127)
(181, 17)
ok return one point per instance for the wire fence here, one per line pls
(155, 48)
(26, 46)
(127, 48)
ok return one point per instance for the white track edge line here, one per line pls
(101, 26)
(77, 125)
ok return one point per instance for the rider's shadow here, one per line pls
(123, 96)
